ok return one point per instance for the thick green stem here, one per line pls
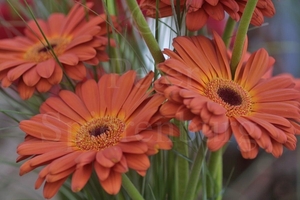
(215, 167)
(145, 31)
(130, 188)
(241, 35)
(115, 57)
(229, 28)
(191, 187)
(181, 146)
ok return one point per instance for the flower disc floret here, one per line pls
(99, 133)
(230, 95)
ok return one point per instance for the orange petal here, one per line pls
(112, 184)
(34, 147)
(68, 59)
(133, 147)
(102, 172)
(80, 177)
(18, 71)
(141, 172)
(59, 106)
(38, 183)
(282, 109)
(173, 93)
(121, 166)
(194, 25)
(183, 113)
(75, 103)
(243, 139)
(55, 21)
(168, 129)
(45, 131)
(122, 90)
(169, 109)
(60, 175)
(25, 91)
(276, 133)
(43, 85)
(138, 94)
(109, 156)
(277, 149)
(218, 140)
(45, 69)
(195, 124)
(31, 77)
(252, 153)
(77, 72)
(252, 129)
(91, 97)
(137, 161)
(291, 142)
(85, 158)
(56, 76)
(106, 84)
(51, 188)
(215, 11)
(265, 141)
(63, 163)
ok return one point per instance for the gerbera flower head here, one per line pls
(164, 7)
(109, 127)
(263, 8)
(199, 86)
(75, 39)
(199, 11)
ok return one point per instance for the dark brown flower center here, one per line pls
(98, 131)
(47, 48)
(230, 96)
(40, 51)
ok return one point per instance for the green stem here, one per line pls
(241, 35)
(111, 7)
(156, 72)
(145, 31)
(130, 188)
(115, 57)
(229, 28)
(215, 167)
(181, 146)
(194, 176)
(171, 170)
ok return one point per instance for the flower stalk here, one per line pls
(191, 187)
(181, 146)
(130, 188)
(145, 31)
(111, 9)
(215, 167)
(242, 34)
(227, 34)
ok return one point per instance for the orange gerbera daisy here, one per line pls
(198, 11)
(199, 86)
(263, 8)
(109, 127)
(29, 61)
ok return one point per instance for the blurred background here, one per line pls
(264, 178)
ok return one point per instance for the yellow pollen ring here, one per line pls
(99, 133)
(40, 51)
(230, 95)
